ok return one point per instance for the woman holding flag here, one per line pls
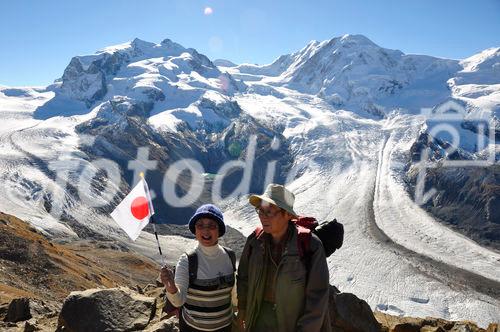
(204, 279)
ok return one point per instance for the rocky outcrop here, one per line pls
(467, 198)
(121, 126)
(26, 314)
(84, 84)
(348, 313)
(167, 325)
(409, 324)
(123, 309)
(114, 309)
(19, 309)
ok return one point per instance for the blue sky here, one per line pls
(39, 38)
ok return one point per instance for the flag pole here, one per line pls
(152, 218)
(156, 236)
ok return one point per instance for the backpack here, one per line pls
(331, 234)
(172, 310)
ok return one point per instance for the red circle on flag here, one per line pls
(140, 208)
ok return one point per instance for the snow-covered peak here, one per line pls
(478, 81)
(142, 70)
(488, 59)
(351, 71)
(138, 48)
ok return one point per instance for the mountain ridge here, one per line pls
(347, 143)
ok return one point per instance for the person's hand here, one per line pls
(167, 278)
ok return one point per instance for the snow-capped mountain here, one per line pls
(340, 119)
(351, 71)
(144, 71)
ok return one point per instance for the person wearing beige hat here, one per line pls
(278, 290)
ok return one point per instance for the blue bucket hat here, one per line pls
(208, 211)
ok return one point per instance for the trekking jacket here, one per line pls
(301, 293)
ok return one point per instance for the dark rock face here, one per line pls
(114, 309)
(87, 85)
(348, 313)
(121, 127)
(493, 209)
(19, 310)
(23, 309)
(467, 198)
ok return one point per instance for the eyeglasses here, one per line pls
(210, 226)
(266, 213)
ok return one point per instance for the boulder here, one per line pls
(4, 307)
(22, 309)
(31, 325)
(428, 324)
(18, 310)
(350, 314)
(493, 327)
(407, 327)
(9, 327)
(113, 309)
(167, 325)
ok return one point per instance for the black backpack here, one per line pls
(169, 308)
(331, 234)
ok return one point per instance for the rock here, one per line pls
(3, 310)
(31, 325)
(464, 327)
(168, 325)
(349, 313)
(428, 328)
(87, 85)
(493, 327)
(429, 324)
(25, 308)
(151, 287)
(8, 326)
(389, 321)
(407, 327)
(19, 310)
(114, 309)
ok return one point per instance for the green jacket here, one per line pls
(301, 297)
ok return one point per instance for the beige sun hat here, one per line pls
(275, 194)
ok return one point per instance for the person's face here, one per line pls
(273, 219)
(207, 232)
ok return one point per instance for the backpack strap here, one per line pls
(304, 235)
(232, 256)
(193, 263)
(258, 231)
(192, 266)
(303, 241)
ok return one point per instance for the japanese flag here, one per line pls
(133, 213)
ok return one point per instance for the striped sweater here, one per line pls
(206, 303)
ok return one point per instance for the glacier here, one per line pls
(349, 112)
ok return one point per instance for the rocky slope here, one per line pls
(33, 266)
(46, 286)
(123, 309)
